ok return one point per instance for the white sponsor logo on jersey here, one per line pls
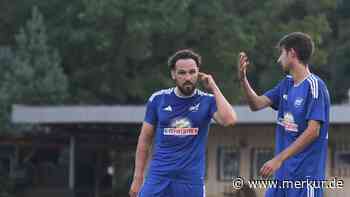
(288, 122)
(181, 127)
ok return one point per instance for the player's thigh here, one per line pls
(155, 188)
(185, 189)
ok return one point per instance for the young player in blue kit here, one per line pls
(178, 120)
(302, 101)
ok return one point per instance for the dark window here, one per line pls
(342, 161)
(228, 163)
(259, 157)
(4, 166)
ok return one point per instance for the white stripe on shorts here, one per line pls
(203, 190)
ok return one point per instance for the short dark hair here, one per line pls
(302, 44)
(184, 54)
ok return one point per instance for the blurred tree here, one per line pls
(126, 43)
(339, 50)
(271, 20)
(115, 51)
(35, 75)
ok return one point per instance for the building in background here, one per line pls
(72, 150)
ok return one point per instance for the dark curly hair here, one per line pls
(302, 44)
(184, 54)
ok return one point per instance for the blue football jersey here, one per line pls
(181, 132)
(296, 105)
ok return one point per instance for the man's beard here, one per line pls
(187, 88)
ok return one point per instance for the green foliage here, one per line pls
(115, 51)
(339, 48)
(34, 75)
(135, 38)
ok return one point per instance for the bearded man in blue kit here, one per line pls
(178, 120)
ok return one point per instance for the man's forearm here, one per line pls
(299, 144)
(250, 94)
(225, 110)
(142, 154)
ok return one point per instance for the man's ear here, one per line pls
(172, 72)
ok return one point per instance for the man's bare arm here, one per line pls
(311, 133)
(225, 114)
(142, 155)
(255, 101)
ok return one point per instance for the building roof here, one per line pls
(339, 114)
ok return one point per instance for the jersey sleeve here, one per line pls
(213, 108)
(275, 95)
(151, 111)
(316, 107)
